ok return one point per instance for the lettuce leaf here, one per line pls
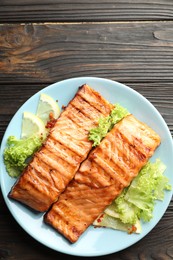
(138, 200)
(105, 124)
(18, 151)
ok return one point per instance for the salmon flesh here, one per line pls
(109, 168)
(67, 145)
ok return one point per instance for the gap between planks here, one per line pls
(97, 22)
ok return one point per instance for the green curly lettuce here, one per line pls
(138, 200)
(105, 124)
(18, 151)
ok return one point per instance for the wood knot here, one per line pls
(164, 35)
(4, 254)
(14, 39)
(170, 251)
(17, 37)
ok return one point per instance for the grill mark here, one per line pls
(146, 133)
(43, 181)
(62, 222)
(114, 161)
(76, 154)
(113, 172)
(97, 179)
(81, 132)
(137, 142)
(66, 217)
(60, 165)
(117, 160)
(119, 150)
(91, 103)
(133, 151)
(80, 119)
(104, 179)
(63, 152)
(79, 111)
(74, 205)
(66, 141)
(78, 148)
(36, 183)
(83, 99)
(76, 122)
(141, 157)
(86, 108)
(39, 166)
(130, 147)
(63, 179)
(96, 100)
(75, 217)
(79, 191)
(50, 174)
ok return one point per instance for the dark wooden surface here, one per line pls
(89, 10)
(42, 42)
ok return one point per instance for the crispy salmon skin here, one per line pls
(67, 145)
(102, 176)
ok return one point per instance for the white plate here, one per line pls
(95, 241)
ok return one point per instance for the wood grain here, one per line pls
(127, 52)
(89, 10)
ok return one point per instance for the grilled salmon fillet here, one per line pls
(109, 168)
(67, 145)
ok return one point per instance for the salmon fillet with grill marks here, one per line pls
(102, 176)
(67, 145)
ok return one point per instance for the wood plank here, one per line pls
(127, 52)
(89, 10)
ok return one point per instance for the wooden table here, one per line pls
(42, 42)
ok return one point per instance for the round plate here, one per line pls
(94, 241)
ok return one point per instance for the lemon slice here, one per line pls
(31, 124)
(46, 106)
